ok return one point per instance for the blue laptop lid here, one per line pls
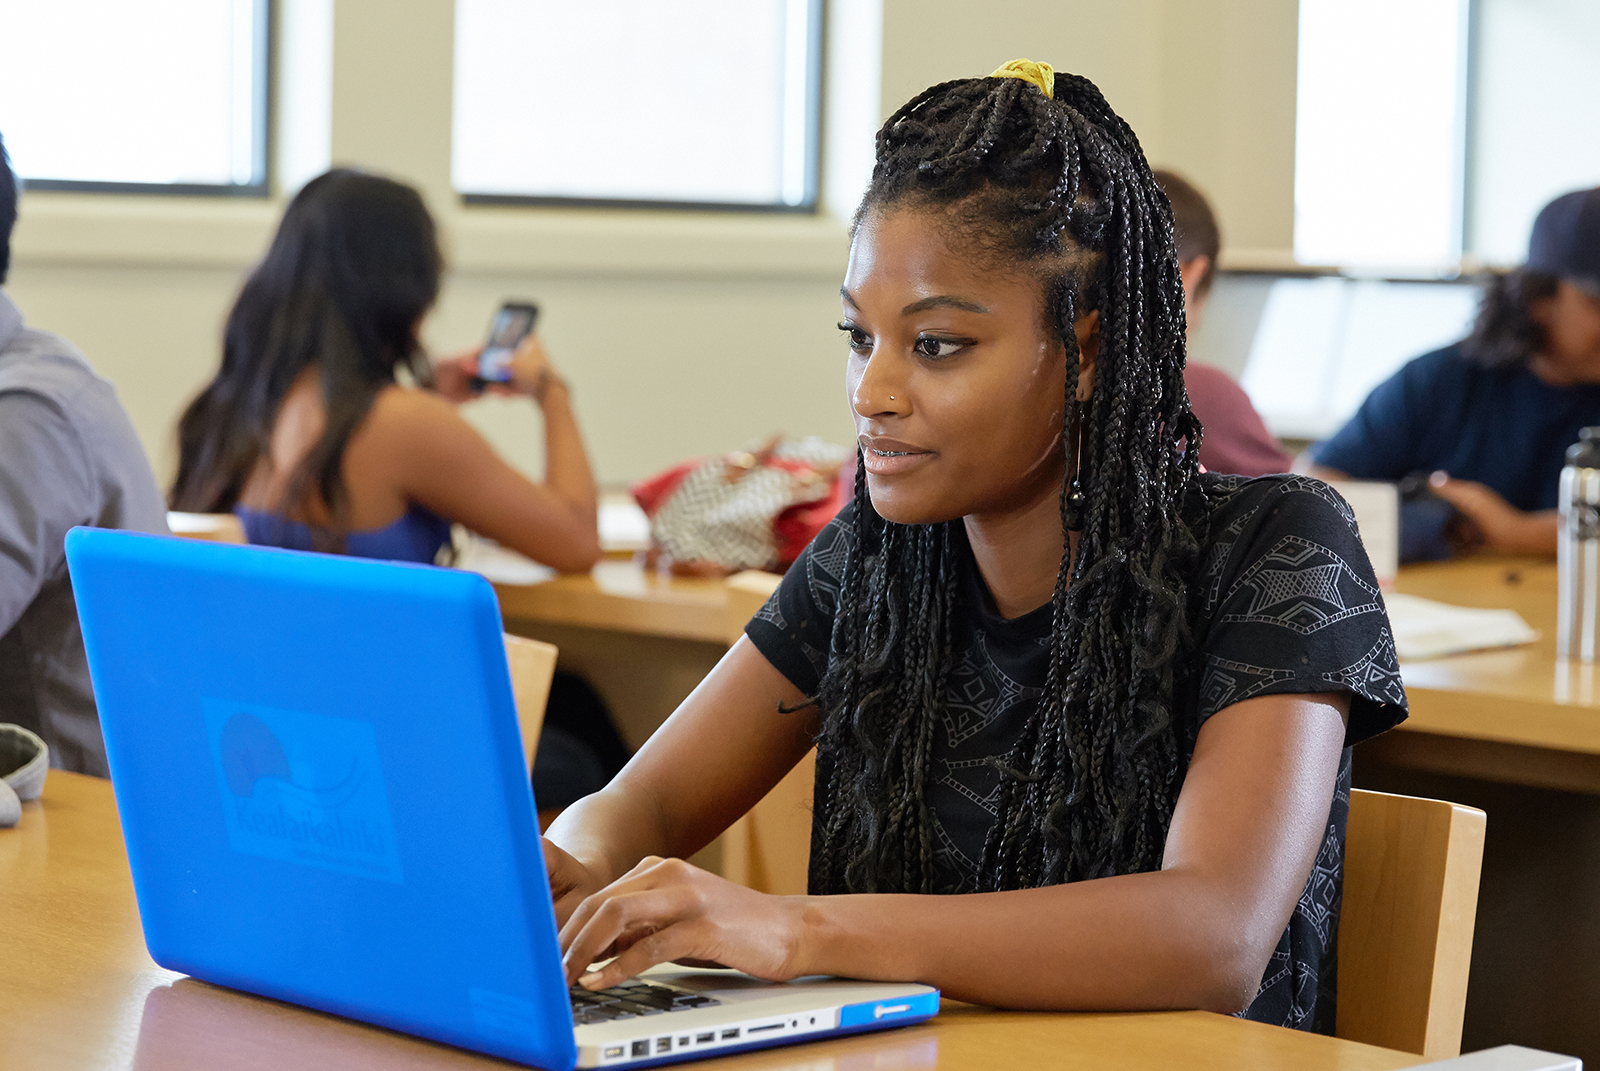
(322, 787)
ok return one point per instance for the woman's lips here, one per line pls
(890, 457)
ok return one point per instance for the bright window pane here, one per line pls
(1378, 133)
(160, 91)
(1535, 132)
(706, 101)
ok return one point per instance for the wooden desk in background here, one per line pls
(79, 991)
(1516, 715)
(643, 639)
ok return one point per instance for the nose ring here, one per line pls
(891, 397)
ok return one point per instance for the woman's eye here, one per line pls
(939, 348)
(858, 340)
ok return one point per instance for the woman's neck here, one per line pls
(1019, 553)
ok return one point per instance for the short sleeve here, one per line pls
(794, 629)
(1293, 607)
(45, 489)
(1380, 441)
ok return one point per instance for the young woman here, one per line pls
(307, 435)
(1082, 714)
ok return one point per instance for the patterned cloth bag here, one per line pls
(755, 508)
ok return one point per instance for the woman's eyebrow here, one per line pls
(942, 301)
(938, 301)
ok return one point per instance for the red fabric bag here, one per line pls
(750, 509)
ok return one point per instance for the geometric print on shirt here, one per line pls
(1305, 586)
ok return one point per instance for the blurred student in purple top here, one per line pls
(309, 435)
(1235, 440)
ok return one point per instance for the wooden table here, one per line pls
(643, 639)
(1517, 715)
(78, 992)
(620, 596)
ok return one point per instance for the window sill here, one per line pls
(68, 229)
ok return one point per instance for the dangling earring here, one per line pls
(1072, 503)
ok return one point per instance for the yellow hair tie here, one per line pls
(1040, 74)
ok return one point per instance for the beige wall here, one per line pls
(683, 334)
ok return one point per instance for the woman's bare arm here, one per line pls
(1197, 933)
(430, 455)
(728, 743)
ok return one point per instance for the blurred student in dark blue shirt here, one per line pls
(1489, 418)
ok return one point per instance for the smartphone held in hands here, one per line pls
(513, 323)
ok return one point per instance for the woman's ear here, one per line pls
(1088, 331)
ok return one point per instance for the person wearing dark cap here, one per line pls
(68, 456)
(1235, 440)
(1488, 419)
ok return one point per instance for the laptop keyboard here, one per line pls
(632, 999)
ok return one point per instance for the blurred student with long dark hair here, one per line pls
(308, 434)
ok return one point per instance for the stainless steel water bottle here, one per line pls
(1578, 550)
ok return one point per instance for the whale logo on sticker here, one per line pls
(303, 788)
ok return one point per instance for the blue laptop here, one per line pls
(323, 792)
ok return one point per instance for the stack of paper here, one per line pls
(1427, 629)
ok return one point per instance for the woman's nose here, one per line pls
(878, 391)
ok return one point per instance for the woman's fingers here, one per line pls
(677, 942)
(629, 922)
(585, 911)
(667, 910)
(452, 376)
(570, 881)
(1482, 505)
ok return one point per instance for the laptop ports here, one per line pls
(705, 1039)
(641, 1048)
(727, 1034)
(663, 1044)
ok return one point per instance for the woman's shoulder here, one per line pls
(1232, 501)
(409, 419)
(1279, 524)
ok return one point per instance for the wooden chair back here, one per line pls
(213, 527)
(533, 665)
(1411, 870)
(769, 849)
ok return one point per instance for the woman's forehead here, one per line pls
(905, 250)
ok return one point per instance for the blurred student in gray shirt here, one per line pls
(68, 456)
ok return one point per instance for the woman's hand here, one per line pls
(665, 910)
(570, 881)
(532, 373)
(453, 375)
(1500, 525)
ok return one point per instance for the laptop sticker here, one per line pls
(303, 788)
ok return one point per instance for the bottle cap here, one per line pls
(1585, 453)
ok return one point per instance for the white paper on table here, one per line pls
(1427, 629)
(623, 525)
(495, 563)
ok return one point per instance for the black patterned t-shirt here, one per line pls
(1285, 603)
